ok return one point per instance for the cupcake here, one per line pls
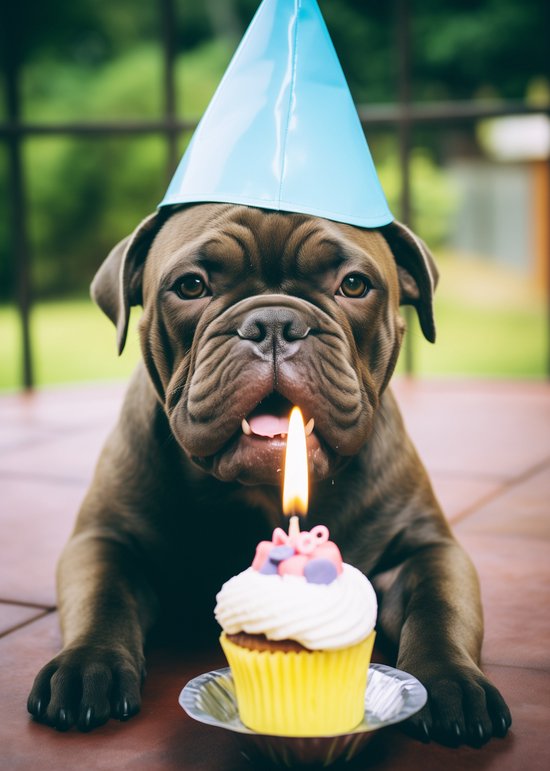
(298, 632)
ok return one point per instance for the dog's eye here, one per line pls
(354, 285)
(191, 287)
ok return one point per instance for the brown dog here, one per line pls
(248, 312)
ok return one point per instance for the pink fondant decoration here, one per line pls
(321, 533)
(305, 543)
(329, 551)
(262, 553)
(293, 566)
(309, 544)
(308, 540)
(280, 537)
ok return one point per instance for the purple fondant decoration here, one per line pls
(269, 568)
(320, 571)
(281, 553)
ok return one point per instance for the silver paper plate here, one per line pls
(391, 696)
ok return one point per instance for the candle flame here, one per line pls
(295, 487)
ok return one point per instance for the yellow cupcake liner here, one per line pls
(300, 693)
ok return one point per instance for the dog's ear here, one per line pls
(117, 283)
(417, 273)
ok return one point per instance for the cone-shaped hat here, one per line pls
(282, 131)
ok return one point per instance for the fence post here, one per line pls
(403, 43)
(12, 27)
(168, 20)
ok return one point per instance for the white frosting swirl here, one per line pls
(319, 616)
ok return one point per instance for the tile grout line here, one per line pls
(485, 664)
(505, 486)
(25, 604)
(23, 624)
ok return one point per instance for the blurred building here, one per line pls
(504, 208)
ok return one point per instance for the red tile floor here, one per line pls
(487, 446)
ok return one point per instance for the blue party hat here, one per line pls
(282, 131)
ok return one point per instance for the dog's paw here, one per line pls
(463, 707)
(85, 686)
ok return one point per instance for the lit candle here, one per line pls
(295, 485)
(307, 554)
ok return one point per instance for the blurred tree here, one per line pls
(86, 32)
(101, 59)
(469, 48)
(224, 19)
(459, 46)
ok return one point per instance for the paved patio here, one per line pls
(487, 446)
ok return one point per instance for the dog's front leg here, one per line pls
(431, 609)
(106, 608)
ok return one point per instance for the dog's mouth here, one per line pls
(269, 419)
(255, 453)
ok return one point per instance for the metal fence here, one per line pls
(402, 116)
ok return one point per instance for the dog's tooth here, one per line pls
(309, 426)
(245, 427)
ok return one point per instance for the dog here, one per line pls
(247, 312)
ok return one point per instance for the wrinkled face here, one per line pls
(247, 313)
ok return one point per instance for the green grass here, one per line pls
(72, 342)
(490, 322)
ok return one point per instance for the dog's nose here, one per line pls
(273, 328)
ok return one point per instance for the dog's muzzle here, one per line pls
(252, 364)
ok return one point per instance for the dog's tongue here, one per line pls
(268, 425)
